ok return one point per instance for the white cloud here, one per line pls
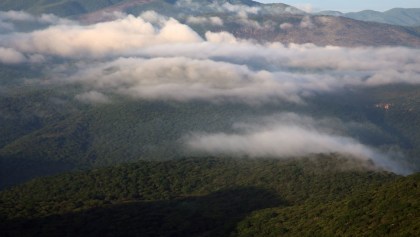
(153, 57)
(16, 16)
(101, 39)
(306, 7)
(228, 69)
(240, 9)
(286, 26)
(221, 37)
(161, 58)
(11, 56)
(306, 23)
(193, 20)
(217, 7)
(21, 16)
(291, 135)
(182, 79)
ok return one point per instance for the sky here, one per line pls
(349, 6)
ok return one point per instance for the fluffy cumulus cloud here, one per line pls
(101, 39)
(285, 136)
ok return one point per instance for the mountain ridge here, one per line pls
(396, 16)
(246, 19)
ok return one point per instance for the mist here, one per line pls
(152, 57)
(286, 136)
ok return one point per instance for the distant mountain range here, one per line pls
(395, 16)
(206, 118)
(248, 19)
(78, 7)
(41, 136)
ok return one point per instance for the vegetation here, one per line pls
(45, 131)
(326, 195)
(60, 7)
(390, 210)
(192, 197)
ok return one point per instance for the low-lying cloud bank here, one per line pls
(158, 58)
(285, 136)
(153, 57)
(226, 68)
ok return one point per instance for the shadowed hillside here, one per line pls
(215, 197)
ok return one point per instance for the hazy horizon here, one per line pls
(344, 6)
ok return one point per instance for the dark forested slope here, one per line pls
(215, 197)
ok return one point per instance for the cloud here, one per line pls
(306, 23)
(6, 27)
(21, 16)
(158, 58)
(221, 37)
(306, 7)
(11, 56)
(240, 10)
(217, 7)
(153, 57)
(93, 97)
(285, 136)
(214, 20)
(228, 69)
(116, 37)
(181, 79)
(286, 26)
(16, 16)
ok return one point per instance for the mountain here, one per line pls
(270, 22)
(326, 30)
(78, 7)
(205, 118)
(216, 197)
(60, 7)
(245, 19)
(395, 16)
(50, 126)
(56, 137)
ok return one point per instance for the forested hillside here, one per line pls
(65, 135)
(58, 7)
(205, 118)
(324, 195)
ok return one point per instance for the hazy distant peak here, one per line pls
(395, 16)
